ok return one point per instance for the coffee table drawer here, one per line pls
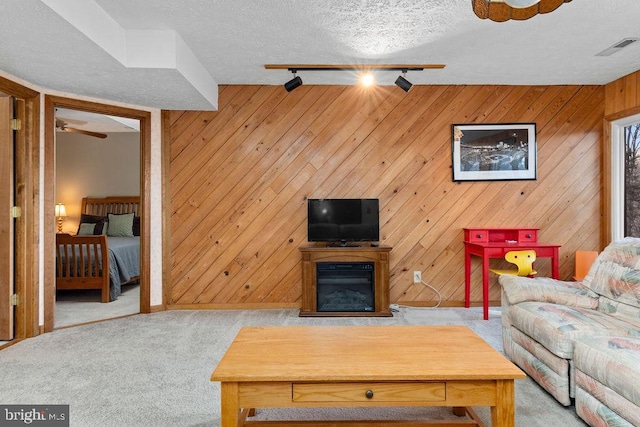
(370, 392)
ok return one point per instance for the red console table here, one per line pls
(495, 243)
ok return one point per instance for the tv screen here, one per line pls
(343, 220)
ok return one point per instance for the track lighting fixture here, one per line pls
(295, 82)
(403, 83)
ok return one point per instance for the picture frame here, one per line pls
(494, 152)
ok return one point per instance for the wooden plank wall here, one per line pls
(623, 96)
(239, 179)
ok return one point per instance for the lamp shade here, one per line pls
(61, 211)
(521, 4)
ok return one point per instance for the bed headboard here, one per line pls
(102, 206)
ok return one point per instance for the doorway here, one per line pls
(97, 155)
(51, 104)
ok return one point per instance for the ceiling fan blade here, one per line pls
(85, 132)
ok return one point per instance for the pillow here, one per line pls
(99, 221)
(86, 229)
(120, 225)
(136, 225)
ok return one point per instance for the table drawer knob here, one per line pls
(369, 394)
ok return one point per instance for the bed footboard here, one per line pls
(82, 262)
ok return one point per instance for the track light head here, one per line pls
(295, 82)
(403, 83)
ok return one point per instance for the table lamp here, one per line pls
(61, 212)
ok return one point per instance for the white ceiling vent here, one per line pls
(618, 46)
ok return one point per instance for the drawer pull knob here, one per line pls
(479, 236)
(369, 394)
(528, 236)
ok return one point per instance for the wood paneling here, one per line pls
(239, 179)
(623, 97)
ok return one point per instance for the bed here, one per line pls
(105, 254)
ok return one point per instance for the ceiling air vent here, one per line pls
(616, 47)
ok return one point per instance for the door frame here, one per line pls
(26, 263)
(50, 104)
(7, 190)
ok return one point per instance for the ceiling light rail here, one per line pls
(519, 10)
(326, 67)
(401, 81)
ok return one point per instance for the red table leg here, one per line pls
(467, 278)
(554, 264)
(485, 286)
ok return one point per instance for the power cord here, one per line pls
(396, 307)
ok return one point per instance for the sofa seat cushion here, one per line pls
(556, 327)
(612, 361)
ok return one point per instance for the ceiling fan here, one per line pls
(504, 10)
(63, 126)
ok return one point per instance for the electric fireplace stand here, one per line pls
(378, 255)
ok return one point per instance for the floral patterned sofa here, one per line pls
(581, 340)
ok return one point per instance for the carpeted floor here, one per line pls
(74, 307)
(154, 369)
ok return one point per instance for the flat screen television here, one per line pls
(343, 220)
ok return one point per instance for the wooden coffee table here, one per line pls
(364, 366)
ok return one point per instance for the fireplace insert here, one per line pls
(345, 286)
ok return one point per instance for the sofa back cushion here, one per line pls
(615, 275)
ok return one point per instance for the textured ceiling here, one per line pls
(172, 54)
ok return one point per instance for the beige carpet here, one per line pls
(154, 369)
(82, 306)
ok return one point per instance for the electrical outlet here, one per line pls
(417, 277)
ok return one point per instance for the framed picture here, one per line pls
(494, 152)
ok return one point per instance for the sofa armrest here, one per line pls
(544, 289)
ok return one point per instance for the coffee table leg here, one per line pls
(229, 409)
(460, 411)
(503, 414)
